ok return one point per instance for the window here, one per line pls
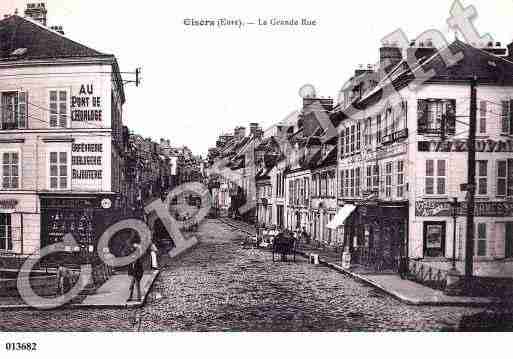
(352, 138)
(388, 180)
(368, 136)
(369, 178)
(480, 249)
(58, 170)
(10, 170)
(375, 179)
(347, 141)
(352, 182)
(357, 182)
(482, 177)
(509, 240)
(507, 117)
(346, 190)
(400, 179)
(341, 184)
(358, 136)
(5, 232)
(482, 117)
(58, 108)
(378, 128)
(505, 178)
(435, 177)
(434, 239)
(342, 134)
(436, 116)
(14, 110)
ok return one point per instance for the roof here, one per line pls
(487, 67)
(41, 43)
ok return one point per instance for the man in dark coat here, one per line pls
(136, 271)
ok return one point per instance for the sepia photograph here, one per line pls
(264, 169)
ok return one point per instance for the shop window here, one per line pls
(482, 177)
(58, 103)
(58, 170)
(480, 247)
(400, 179)
(508, 239)
(507, 117)
(505, 178)
(435, 177)
(5, 232)
(436, 116)
(14, 110)
(10, 170)
(434, 239)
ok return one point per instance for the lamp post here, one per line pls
(454, 205)
(453, 275)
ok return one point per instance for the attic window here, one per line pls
(19, 52)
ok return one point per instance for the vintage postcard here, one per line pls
(253, 167)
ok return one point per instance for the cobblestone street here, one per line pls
(222, 285)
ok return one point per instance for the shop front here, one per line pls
(375, 233)
(85, 217)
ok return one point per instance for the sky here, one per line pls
(198, 82)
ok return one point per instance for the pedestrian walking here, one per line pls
(153, 254)
(136, 272)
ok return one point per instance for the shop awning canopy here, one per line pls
(341, 216)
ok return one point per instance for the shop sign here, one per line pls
(8, 203)
(505, 146)
(87, 161)
(444, 209)
(86, 106)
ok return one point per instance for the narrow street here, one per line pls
(223, 286)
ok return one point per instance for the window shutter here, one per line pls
(422, 112)
(22, 109)
(450, 117)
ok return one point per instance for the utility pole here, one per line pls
(469, 245)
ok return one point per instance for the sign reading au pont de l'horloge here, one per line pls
(462, 146)
(86, 107)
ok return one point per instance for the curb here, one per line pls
(399, 296)
(131, 305)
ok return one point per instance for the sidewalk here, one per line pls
(389, 282)
(112, 294)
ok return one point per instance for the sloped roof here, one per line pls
(41, 43)
(487, 67)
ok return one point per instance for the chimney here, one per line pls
(239, 132)
(253, 129)
(389, 57)
(37, 11)
(420, 49)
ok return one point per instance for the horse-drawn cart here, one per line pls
(284, 244)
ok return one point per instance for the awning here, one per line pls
(341, 216)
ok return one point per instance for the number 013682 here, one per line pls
(26, 347)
